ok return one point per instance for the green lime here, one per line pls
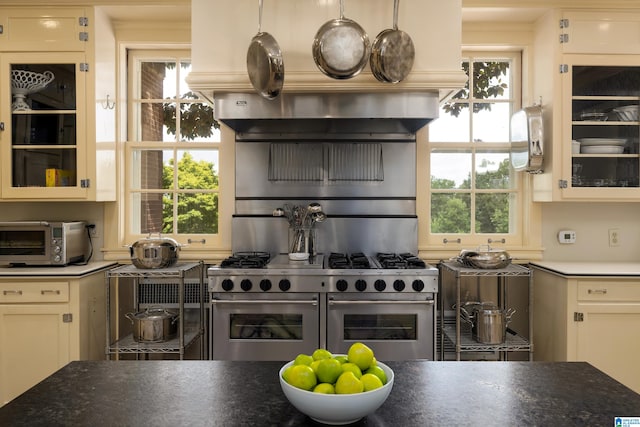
(378, 372)
(321, 353)
(302, 376)
(324, 388)
(348, 384)
(341, 358)
(303, 359)
(328, 370)
(361, 355)
(314, 365)
(352, 367)
(370, 382)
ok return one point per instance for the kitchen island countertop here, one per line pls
(591, 268)
(224, 393)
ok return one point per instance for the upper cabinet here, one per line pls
(591, 106)
(57, 140)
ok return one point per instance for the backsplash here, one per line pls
(591, 222)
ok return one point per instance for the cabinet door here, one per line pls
(40, 29)
(601, 128)
(609, 339)
(34, 343)
(605, 32)
(43, 145)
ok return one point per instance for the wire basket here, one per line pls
(24, 83)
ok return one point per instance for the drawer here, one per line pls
(28, 292)
(608, 291)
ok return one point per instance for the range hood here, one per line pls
(326, 116)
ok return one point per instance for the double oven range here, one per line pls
(271, 308)
(361, 281)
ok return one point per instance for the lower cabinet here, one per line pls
(590, 318)
(46, 323)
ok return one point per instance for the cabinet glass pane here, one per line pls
(44, 168)
(606, 81)
(604, 126)
(44, 129)
(43, 125)
(43, 86)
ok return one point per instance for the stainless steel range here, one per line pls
(355, 156)
(274, 309)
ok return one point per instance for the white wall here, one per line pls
(591, 222)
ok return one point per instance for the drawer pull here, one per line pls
(597, 291)
(50, 291)
(10, 292)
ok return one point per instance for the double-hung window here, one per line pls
(474, 195)
(171, 152)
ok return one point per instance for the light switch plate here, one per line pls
(566, 236)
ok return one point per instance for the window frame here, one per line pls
(516, 236)
(193, 242)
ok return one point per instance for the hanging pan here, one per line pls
(341, 47)
(264, 62)
(392, 53)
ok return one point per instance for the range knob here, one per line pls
(341, 285)
(417, 285)
(246, 285)
(284, 285)
(361, 285)
(227, 284)
(398, 285)
(380, 285)
(265, 284)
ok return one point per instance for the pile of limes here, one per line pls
(322, 372)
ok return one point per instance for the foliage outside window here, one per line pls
(473, 190)
(172, 150)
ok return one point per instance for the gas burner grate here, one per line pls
(246, 260)
(399, 261)
(344, 261)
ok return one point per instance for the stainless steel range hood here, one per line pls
(327, 116)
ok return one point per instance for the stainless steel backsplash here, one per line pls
(367, 190)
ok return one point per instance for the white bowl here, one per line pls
(337, 408)
(298, 256)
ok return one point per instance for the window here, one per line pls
(475, 196)
(172, 149)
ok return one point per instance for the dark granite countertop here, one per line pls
(220, 393)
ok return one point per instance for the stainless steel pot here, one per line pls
(488, 322)
(155, 324)
(265, 65)
(392, 53)
(157, 252)
(341, 47)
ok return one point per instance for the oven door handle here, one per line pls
(262, 301)
(344, 302)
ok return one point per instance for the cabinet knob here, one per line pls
(1, 126)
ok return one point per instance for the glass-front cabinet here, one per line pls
(601, 129)
(44, 117)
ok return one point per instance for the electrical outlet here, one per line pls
(614, 237)
(93, 231)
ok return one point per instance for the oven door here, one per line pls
(250, 326)
(395, 326)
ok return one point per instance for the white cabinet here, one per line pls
(592, 319)
(46, 323)
(602, 31)
(57, 140)
(582, 92)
